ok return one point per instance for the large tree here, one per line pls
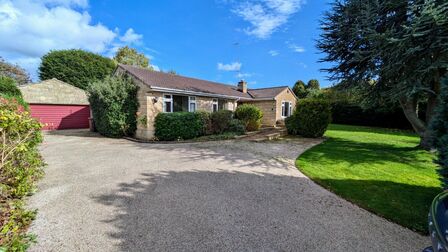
(130, 56)
(313, 84)
(390, 50)
(76, 67)
(14, 71)
(299, 89)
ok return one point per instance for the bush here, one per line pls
(9, 87)
(206, 122)
(237, 126)
(312, 117)
(250, 115)
(179, 125)
(292, 124)
(76, 67)
(439, 127)
(221, 121)
(114, 106)
(20, 166)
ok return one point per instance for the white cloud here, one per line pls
(235, 66)
(243, 75)
(296, 48)
(156, 68)
(131, 37)
(273, 53)
(31, 28)
(266, 16)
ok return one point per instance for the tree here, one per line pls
(313, 84)
(76, 67)
(299, 89)
(8, 87)
(14, 71)
(439, 127)
(391, 50)
(129, 56)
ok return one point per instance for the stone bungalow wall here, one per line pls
(268, 109)
(285, 95)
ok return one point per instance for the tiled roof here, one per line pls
(156, 79)
(261, 93)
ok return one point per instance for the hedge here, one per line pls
(9, 87)
(114, 106)
(250, 115)
(179, 125)
(20, 167)
(310, 119)
(221, 121)
(352, 114)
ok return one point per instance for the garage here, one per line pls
(57, 105)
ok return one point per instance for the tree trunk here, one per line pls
(409, 106)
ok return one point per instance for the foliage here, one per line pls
(9, 87)
(394, 50)
(206, 122)
(315, 94)
(377, 169)
(250, 115)
(237, 126)
(20, 166)
(292, 124)
(221, 121)
(76, 67)
(312, 117)
(179, 126)
(439, 127)
(129, 56)
(313, 84)
(114, 106)
(299, 89)
(14, 71)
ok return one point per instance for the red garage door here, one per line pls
(55, 117)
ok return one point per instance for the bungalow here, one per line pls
(165, 93)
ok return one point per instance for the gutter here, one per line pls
(195, 93)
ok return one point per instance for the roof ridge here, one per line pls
(181, 76)
(268, 87)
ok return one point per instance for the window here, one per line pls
(215, 105)
(167, 103)
(191, 103)
(286, 109)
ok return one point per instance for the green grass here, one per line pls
(380, 170)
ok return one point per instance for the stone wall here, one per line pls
(53, 91)
(285, 95)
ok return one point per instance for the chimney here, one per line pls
(242, 86)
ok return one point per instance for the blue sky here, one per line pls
(266, 42)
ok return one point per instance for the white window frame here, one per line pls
(192, 100)
(165, 100)
(284, 115)
(215, 102)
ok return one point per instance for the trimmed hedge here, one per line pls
(179, 125)
(237, 126)
(310, 119)
(221, 121)
(250, 115)
(114, 106)
(348, 113)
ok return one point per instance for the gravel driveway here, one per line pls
(103, 194)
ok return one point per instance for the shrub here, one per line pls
(9, 87)
(439, 127)
(114, 106)
(292, 124)
(20, 166)
(179, 125)
(15, 72)
(206, 122)
(312, 117)
(221, 121)
(250, 115)
(76, 67)
(237, 126)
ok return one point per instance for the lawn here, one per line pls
(380, 170)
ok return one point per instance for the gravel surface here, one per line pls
(103, 194)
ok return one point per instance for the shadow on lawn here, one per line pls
(405, 204)
(203, 210)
